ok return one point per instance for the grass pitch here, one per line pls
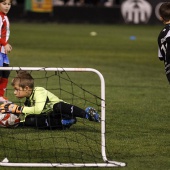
(137, 92)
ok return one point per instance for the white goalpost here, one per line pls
(102, 143)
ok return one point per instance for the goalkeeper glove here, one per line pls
(12, 108)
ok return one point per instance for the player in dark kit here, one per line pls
(164, 38)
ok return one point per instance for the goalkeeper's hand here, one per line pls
(11, 108)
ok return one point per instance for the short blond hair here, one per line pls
(23, 79)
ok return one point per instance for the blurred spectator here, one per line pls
(58, 2)
(14, 2)
(109, 3)
(106, 3)
(20, 1)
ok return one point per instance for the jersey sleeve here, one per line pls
(160, 55)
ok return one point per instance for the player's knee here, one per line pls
(57, 108)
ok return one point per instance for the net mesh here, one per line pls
(81, 143)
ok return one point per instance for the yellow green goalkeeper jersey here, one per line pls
(40, 101)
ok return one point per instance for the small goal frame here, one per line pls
(107, 163)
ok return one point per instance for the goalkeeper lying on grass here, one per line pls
(42, 109)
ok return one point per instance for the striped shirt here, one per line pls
(4, 31)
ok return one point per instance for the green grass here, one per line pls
(137, 91)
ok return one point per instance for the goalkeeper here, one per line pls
(42, 109)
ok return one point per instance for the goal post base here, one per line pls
(6, 163)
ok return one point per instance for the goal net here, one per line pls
(82, 145)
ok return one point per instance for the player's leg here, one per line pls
(1, 65)
(4, 62)
(61, 121)
(39, 121)
(5, 76)
(73, 111)
(42, 121)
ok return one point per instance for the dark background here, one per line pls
(95, 14)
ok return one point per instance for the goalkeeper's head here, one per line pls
(23, 84)
(23, 79)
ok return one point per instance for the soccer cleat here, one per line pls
(92, 114)
(4, 100)
(68, 122)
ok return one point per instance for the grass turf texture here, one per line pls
(137, 92)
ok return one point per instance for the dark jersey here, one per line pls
(164, 48)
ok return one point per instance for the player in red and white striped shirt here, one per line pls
(5, 47)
